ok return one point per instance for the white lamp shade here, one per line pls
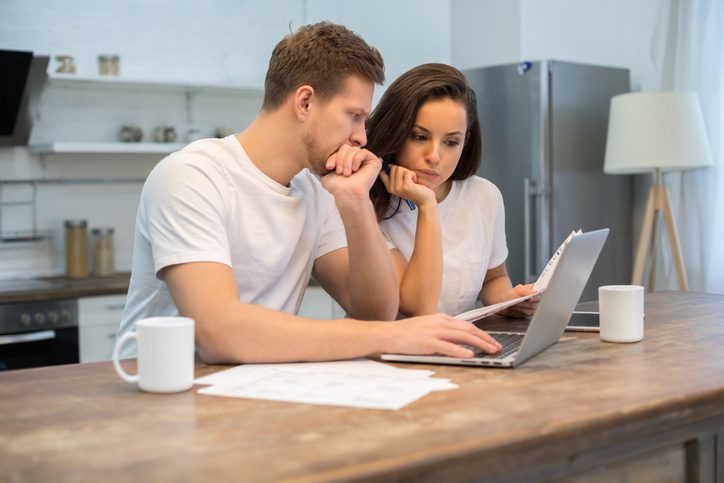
(649, 130)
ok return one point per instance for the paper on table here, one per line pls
(540, 285)
(359, 383)
(348, 367)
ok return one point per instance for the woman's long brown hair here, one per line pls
(394, 117)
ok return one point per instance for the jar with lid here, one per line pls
(76, 248)
(66, 66)
(108, 64)
(103, 258)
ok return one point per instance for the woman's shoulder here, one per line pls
(479, 187)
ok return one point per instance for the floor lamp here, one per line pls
(656, 132)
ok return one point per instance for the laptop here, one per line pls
(551, 316)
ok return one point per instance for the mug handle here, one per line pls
(116, 354)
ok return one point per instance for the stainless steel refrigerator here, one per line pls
(544, 135)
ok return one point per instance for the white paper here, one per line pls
(540, 285)
(358, 383)
(349, 367)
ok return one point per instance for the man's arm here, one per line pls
(366, 285)
(230, 331)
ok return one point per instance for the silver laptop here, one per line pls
(549, 322)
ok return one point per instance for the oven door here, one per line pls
(39, 348)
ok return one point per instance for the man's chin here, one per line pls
(319, 169)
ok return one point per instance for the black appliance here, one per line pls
(22, 78)
(38, 334)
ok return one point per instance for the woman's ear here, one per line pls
(303, 97)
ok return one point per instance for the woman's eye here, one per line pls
(452, 143)
(418, 137)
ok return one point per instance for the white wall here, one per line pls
(617, 33)
(217, 41)
(485, 32)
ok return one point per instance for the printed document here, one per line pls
(539, 287)
(358, 383)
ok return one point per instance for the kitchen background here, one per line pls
(192, 45)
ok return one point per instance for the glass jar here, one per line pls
(108, 64)
(103, 258)
(76, 248)
(66, 66)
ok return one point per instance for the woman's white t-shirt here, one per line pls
(472, 222)
(210, 203)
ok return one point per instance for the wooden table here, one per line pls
(583, 410)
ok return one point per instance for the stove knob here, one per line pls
(39, 318)
(66, 316)
(53, 317)
(25, 319)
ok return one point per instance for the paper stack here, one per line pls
(359, 383)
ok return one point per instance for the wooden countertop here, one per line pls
(55, 288)
(579, 404)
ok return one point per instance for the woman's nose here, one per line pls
(433, 155)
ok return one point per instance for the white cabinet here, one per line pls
(318, 304)
(98, 321)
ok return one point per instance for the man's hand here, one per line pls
(353, 171)
(524, 309)
(437, 334)
(402, 182)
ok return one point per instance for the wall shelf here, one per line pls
(74, 81)
(81, 147)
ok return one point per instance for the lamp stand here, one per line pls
(658, 201)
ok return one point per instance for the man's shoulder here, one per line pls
(201, 156)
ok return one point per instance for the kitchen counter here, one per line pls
(584, 409)
(55, 288)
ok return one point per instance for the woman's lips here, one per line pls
(428, 173)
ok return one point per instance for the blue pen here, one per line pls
(410, 204)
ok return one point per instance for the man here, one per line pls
(229, 231)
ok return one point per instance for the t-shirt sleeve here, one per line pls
(333, 235)
(499, 252)
(182, 211)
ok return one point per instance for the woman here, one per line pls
(450, 247)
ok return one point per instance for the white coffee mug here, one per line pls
(165, 354)
(621, 310)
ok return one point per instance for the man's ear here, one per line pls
(303, 97)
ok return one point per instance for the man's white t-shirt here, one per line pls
(210, 203)
(472, 222)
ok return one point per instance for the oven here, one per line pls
(35, 334)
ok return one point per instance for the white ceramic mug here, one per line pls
(621, 310)
(165, 354)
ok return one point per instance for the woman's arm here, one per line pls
(421, 278)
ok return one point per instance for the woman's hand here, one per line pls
(402, 182)
(524, 309)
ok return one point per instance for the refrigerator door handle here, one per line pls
(528, 191)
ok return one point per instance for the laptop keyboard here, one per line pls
(510, 343)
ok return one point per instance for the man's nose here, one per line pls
(359, 137)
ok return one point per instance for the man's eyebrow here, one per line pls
(446, 134)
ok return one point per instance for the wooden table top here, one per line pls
(82, 423)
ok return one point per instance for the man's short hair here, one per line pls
(321, 55)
